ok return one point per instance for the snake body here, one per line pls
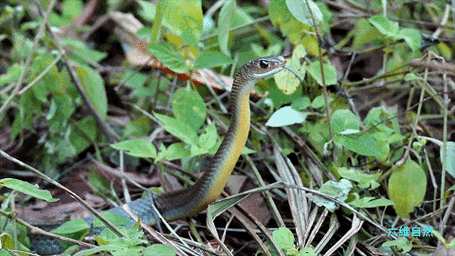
(193, 199)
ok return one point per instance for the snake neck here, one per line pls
(189, 201)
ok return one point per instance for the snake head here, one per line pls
(264, 67)
(255, 70)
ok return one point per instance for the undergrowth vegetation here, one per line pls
(109, 97)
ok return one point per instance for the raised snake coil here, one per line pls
(189, 201)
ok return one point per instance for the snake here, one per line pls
(188, 201)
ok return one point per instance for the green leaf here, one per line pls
(339, 190)
(300, 11)
(343, 119)
(365, 180)
(137, 148)
(307, 251)
(412, 37)
(175, 151)
(93, 85)
(189, 107)
(13, 74)
(27, 188)
(286, 116)
(178, 128)
(285, 80)
(284, 239)
(170, 57)
(401, 243)
(407, 186)
(207, 140)
(185, 16)
(301, 103)
(212, 59)
(159, 249)
(364, 144)
(364, 33)
(83, 133)
(370, 202)
(137, 128)
(330, 73)
(412, 76)
(80, 52)
(319, 102)
(384, 26)
(71, 9)
(73, 226)
(225, 19)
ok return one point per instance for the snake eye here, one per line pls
(264, 64)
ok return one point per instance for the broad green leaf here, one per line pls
(364, 33)
(285, 80)
(27, 188)
(189, 107)
(344, 119)
(364, 144)
(159, 249)
(178, 128)
(289, 25)
(171, 58)
(370, 202)
(137, 148)
(207, 140)
(115, 219)
(175, 151)
(307, 251)
(272, 50)
(330, 73)
(7, 244)
(301, 103)
(412, 37)
(365, 180)
(137, 128)
(339, 190)
(286, 116)
(63, 148)
(70, 10)
(284, 239)
(401, 243)
(83, 133)
(225, 19)
(185, 16)
(73, 226)
(94, 88)
(319, 102)
(212, 59)
(196, 150)
(384, 26)
(407, 186)
(81, 53)
(13, 74)
(301, 11)
(412, 76)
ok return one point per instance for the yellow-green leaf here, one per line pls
(407, 186)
